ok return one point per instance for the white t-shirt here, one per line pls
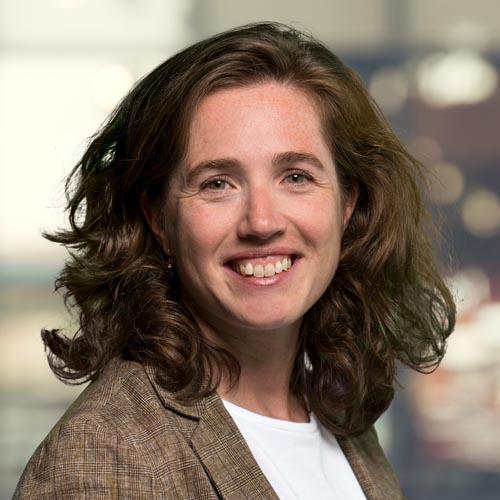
(300, 460)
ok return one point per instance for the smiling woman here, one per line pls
(249, 260)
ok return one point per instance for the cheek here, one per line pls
(200, 230)
(321, 222)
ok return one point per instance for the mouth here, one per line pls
(263, 267)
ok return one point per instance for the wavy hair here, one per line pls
(386, 302)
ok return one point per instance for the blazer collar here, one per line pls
(229, 463)
(226, 455)
(368, 461)
(218, 443)
(192, 410)
(362, 469)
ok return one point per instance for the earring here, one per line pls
(170, 262)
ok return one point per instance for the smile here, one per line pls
(260, 269)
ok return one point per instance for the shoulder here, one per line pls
(107, 441)
(123, 403)
(80, 456)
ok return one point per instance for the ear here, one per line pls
(349, 206)
(153, 215)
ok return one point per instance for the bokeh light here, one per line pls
(389, 87)
(476, 342)
(455, 78)
(470, 287)
(481, 213)
(426, 149)
(447, 183)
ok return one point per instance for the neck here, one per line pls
(266, 359)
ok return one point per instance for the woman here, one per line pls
(249, 261)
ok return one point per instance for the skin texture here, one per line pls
(251, 203)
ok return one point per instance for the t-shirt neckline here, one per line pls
(299, 427)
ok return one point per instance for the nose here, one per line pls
(261, 217)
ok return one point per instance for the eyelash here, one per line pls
(305, 175)
(207, 183)
(224, 178)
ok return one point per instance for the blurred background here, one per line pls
(433, 67)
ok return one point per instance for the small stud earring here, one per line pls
(170, 261)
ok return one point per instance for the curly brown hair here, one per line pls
(386, 302)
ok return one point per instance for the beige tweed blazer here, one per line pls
(125, 437)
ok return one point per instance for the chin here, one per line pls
(267, 323)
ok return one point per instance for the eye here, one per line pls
(215, 184)
(299, 178)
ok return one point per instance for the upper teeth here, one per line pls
(268, 269)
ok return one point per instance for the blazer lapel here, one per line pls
(368, 462)
(219, 445)
(226, 455)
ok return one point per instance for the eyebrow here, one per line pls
(279, 160)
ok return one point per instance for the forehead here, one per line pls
(272, 116)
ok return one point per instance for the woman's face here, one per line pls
(257, 191)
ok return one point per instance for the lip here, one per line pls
(276, 279)
(263, 252)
